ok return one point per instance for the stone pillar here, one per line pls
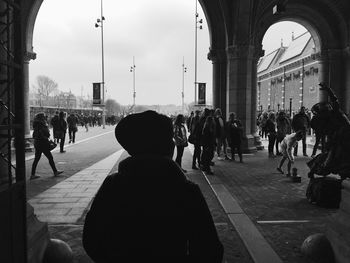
(240, 95)
(323, 75)
(27, 57)
(219, 60)
(338, 231)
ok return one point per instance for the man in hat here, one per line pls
(148, 211)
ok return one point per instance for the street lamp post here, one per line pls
(195, 52)
(184, 70)
(133, 70)
(99, 23)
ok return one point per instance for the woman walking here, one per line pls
(180, 138)
(41, 137)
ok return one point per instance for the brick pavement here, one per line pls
(267, 198)
(66, 201)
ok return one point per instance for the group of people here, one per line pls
(209, 133)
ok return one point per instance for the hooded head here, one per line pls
(146, 133)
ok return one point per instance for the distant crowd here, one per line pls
(209, 133)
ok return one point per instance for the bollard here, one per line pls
(295, 177)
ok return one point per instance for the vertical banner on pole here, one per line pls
(201, 93)
(96, 93)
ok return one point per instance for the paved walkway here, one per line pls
(66, 201)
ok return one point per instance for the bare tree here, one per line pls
(45, 86)
(112, 107)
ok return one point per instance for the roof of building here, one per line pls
(266, 61)
(296, 47)
(282, 55)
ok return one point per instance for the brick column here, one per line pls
(219, 60)
(240, 95)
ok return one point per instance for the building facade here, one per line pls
(288, 77)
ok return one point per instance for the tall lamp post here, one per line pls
(133, 70)
(99, 23)
(200, 21)
(184, 70)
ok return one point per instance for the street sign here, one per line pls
(96, 94)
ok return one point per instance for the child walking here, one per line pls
(288, 143)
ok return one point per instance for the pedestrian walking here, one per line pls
(55, 126)
(220, 135)
(41, 135)
(271, 132)
(62, 130)
(301, 122)
(180, 138)
(208, 144)
(235, 136)
(288, 143)
(196, 133)
(131, 213)
(72, 122)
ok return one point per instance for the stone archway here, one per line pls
(329, 36)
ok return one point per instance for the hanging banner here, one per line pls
(96, 94)
(201, 93)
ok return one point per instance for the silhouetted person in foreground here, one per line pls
(148, 211)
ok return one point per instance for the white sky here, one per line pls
(159, 33)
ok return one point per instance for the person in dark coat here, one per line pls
(301, 122)
(72, 122)
(208, 144)
(148, 211)
(271, 129)
(41, 135)
(235, 135)
(180, 137)
(220, 135)
(62, 130)
(195, 132)
(55, 127)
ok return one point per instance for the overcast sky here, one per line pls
(159, 33)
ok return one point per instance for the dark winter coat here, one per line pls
(72, 121)
(271, 127)
(41, 135)
(234, 132)
(55, 123)
(150, 212)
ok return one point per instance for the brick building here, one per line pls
(288, 77)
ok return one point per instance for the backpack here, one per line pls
(324, 191)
